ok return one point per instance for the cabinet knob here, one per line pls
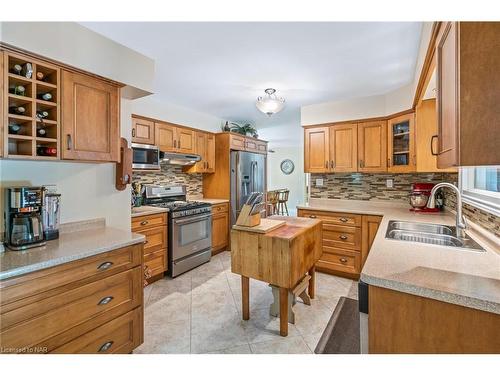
(145, 222)
(105, 265)
(326, 164)
(105, 300)
(343, 237)
(133, 132)
(432, 145)
(175, 143)
(343, 260)
(69, 143)
(344, 219)
(179, 143)
(105, 347)
(312, 216)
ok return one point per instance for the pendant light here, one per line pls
(270, 104)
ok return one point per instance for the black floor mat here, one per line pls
(341, 335)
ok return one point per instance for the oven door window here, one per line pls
(194, 231)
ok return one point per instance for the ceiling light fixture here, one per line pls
(270, 104)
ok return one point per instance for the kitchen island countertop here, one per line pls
(453, 275)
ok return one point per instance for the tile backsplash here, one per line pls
(364, 186)
(172, 175)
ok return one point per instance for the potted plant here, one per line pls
(246, 129)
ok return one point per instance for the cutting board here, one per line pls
(266, 225)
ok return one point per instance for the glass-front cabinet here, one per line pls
(401, 144)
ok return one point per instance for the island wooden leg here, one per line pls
(245, 297)
(312, 282)
(284, 312)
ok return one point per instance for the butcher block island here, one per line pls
(283, 257)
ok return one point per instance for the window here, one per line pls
(481, 187)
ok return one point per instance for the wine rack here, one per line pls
(31, 108)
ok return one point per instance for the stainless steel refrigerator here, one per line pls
(248, 175)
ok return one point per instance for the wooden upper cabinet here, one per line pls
(205, 147)
(185, 140)
(401, 144)
(143, 131)
(344, 148)
(165, 137)
(210, 153)
(316, 150)
(468, 62)
(426, 137)
(90, 118)
(372, 146)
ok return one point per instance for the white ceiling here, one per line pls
(220, 68)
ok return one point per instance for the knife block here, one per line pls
(247, 220)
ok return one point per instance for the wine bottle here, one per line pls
(17, 90)
(41, 132)
(46, 151)
(18, 110)
(27, 70)
(14, 128)
(40, 76)
(17, 69)
(45, 96)
(42, 114)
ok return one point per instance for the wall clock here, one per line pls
(287, 166)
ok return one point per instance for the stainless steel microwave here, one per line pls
(145, 156)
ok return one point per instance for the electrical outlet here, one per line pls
(389, 183)
(319, 182)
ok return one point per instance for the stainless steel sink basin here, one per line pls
(433, 234)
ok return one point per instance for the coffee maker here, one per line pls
(23, 217)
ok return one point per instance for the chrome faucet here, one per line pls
(461, 224)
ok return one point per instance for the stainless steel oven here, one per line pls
(145, 156)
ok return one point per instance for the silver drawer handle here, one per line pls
(145, 222)
(343, 237)
(312, 216)
(105, 266)
(105, 346)
(105, 300)
(343, 260)
(343, 219)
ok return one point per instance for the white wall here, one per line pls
(154, 107)
(75, 45)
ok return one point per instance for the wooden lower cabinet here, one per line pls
(220, 227)
(347, 239)
(404, 323)
(154, 227)
(93, 305)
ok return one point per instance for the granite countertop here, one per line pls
(68, 247)
(457, 276)
(147, 210)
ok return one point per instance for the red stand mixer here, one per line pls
(419, 196)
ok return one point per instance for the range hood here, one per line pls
(179, 159)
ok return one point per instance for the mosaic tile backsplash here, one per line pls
(364, 186)
(172, 175)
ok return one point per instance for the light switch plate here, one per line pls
(389, 183)
(319, 182)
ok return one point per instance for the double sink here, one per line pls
(433, 234)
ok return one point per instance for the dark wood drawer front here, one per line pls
(333, 217)
(121, 335)
(32, 323)
(148, 221)
(340, 260)
(38, 285)
(341, 236)
(156, 239)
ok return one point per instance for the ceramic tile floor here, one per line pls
(200, 312)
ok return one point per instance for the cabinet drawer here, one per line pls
(251, 145)
(156, 261)
(237, 142)
(340, 260)
(112, 296)
(156, 239)
(219, 208)
(148, 221)
(42, 284)
(121, 335)
(342, 236)
(333, 217)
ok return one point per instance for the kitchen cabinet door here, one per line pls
(143, 131)
(200, 149)
(210, 153)
(316, 150)
(90, 114)
(372, 146)
(220, 230)
(369, 228)
(185, 140)
(401, 144)
(344, 148)
(165, 137)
